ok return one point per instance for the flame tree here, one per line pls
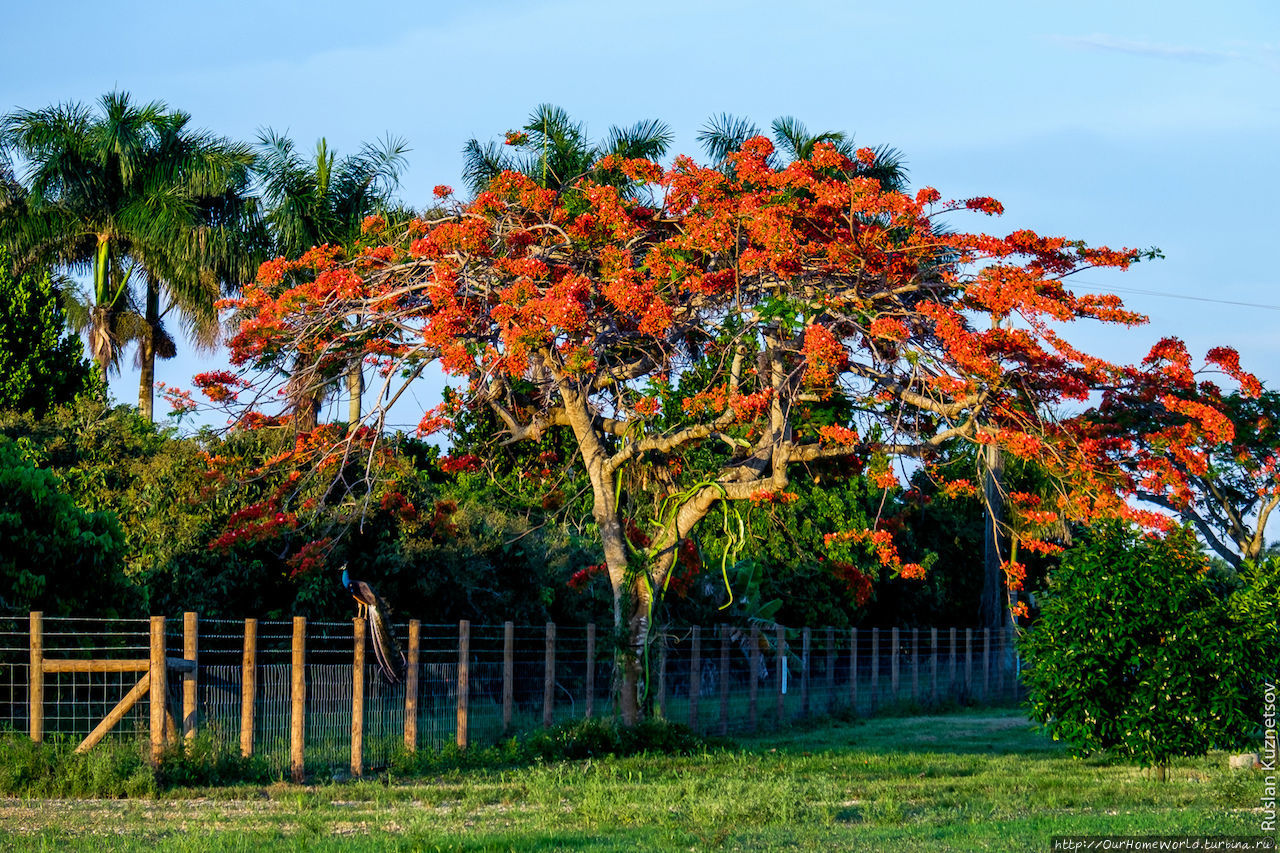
(700, 338)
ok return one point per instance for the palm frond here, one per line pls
(724, 134)
(481, 163)
(647, 139)
(889, 168)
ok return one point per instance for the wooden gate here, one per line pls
(153, 684)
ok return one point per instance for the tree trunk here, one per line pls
(993, 611)
(631, 595)
(633, 668)
(147, 354)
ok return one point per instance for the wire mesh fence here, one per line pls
(287, 690)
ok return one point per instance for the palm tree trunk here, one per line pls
(147, 354)
(100, 313)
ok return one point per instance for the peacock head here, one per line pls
(346, 578)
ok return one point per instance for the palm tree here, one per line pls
(553, 149)
(725, 133)
(136, 199)
(322, 199)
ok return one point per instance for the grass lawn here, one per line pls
(968, 781)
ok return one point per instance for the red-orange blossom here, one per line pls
(787, 288)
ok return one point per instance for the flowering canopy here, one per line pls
(1178, 442)
(769, 316)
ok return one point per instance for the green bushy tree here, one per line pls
(1141, 652)
(54, 556)
(40, 365)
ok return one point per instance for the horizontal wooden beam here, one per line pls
(119, 665)
(139, 665)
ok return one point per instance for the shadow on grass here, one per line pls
(974, 732)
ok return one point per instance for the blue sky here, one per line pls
(1136, 124)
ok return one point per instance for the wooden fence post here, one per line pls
(780, 638)
(508, 673)
(411, 687)
(986, 664)
(190, 646)
(158, 693)
(968, 661)
(591, 669)
(933, 666)
(951, 646)
(853, 669)
(248, 685)
(806, 638)
(35, 676)
(1015, 683)
(464, 684)
(695, 675)
(549, 678)
(999, 662)
(298, 701)
(724, 680)
(915, 664)
(662, 675)
(831, 669)
(875, 669)
(357, 696)
(753, 682)
(894, 648)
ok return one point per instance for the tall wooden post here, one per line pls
(875, 669)
(780, 639)
(724, 681)
(933, 665)
(951, 646)
(248, 685)
(894, 648)
(805, 649)
(986, 664)
(549, 678)
(158, 693)
(190, 645)
(753, 683)
(915, 664)
(662, 675)
(591, 669)
(999, 662)
(508, 673)
(695, 675)
(35, 676)
(1015, 685)
(411, 687)
(357, 696)
(298, 701)
(831, 669)
(968, 661)
(853, 669)
(464, 683)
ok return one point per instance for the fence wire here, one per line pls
(721, 680)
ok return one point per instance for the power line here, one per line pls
(1117, 290)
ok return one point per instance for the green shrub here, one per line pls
(1139, 651)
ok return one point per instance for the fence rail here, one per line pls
(305, 697)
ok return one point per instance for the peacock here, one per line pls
(391, 661)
